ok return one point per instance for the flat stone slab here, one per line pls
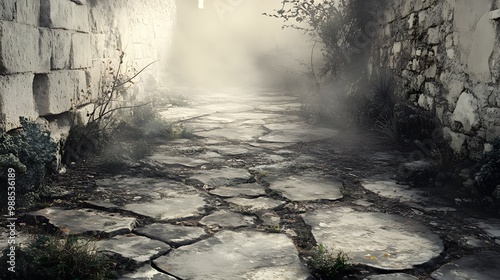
(177, 161)
(120, 190)
(243, 134)
(393, 276)
(295, 133)
(138, 248)
(236, 255)
(172, 234)
(146, 273)
(251, 189)
(169, 208)
(256, 204)
(491, 227)
(86, 221)
(176, 114)
(230, 150)
(223, 177)
(301, 188)
(482, 266)
(227, 219)
(390, 189)
(378, 240)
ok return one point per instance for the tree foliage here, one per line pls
(339, 25)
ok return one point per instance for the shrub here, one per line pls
(51, 257)
(31, 152)
(488, 177)
(327, 265)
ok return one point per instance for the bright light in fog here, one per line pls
(201, 4)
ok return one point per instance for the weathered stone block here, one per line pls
(81, 55)
(495, 14)
(94, 75)
(19, 49)
(483, 44)
(467, 111)
(98, 43)
(457, 141)
(58, 91)
(434, 35)
(28, 12)
(65, 15)
(7, 10)
(45, 51)
(61, 49)
(16, 100)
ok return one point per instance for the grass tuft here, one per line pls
(328, 265)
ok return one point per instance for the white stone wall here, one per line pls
(445, 55)
(52, 51)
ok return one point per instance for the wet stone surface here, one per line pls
(173, 235)
(394, 276)
(252, 190)
(302, 188)
(378, 240)
(236, 255)
(482, 266)
(223, 177)
(227, 219)
(146, 273)
(137, 248)
(86, 221)
(256, 204)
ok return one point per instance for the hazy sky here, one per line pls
(230, 42)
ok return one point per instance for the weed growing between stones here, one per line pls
(113, 117)
(53, 257)
(328, 265)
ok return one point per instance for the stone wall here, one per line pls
(52, 52)
(445, 56)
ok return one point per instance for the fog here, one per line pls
(227, 43)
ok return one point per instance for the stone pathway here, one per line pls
(252, 193)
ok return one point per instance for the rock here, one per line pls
(227, 219)
(253, 205)
(230, 150)
(251, 190)
(171, 234)
(291, 133)
(394, 276)
(86, 221)
(138, 248)
(302, 188)
(236, 255)
(146, 273)
(379, 240)
(223, 177)
(160, 199)
(491, 227)
(482, 266)
(177, 161)
(243, 134)
(270, 219)
(388, 188)
(181, 206)
(467, 111)
(417, 169)
(16, 100)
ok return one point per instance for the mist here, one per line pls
(226, 43)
